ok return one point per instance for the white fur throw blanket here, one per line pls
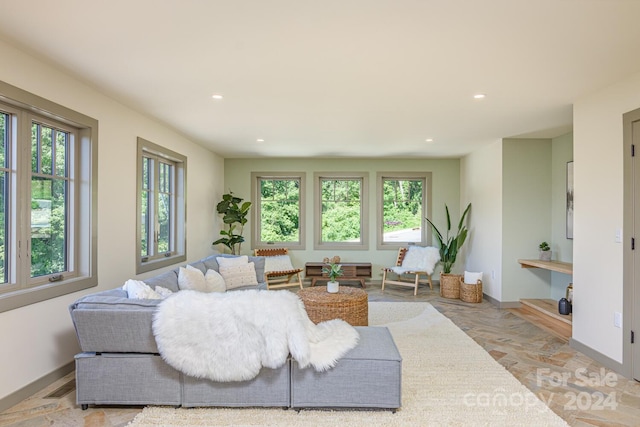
(231, 336)
(418, 258)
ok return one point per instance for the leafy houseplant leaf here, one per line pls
(234, 214)
(449, 246)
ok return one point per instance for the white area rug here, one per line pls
(448, 380)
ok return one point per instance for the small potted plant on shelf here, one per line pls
(333, 270)
(545, 251)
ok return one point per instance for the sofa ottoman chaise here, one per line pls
(120, 364)
(369, 376)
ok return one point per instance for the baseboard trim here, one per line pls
(597, 356)
(502, 304)
(34, 387)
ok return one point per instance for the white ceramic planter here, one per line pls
(333, 287)
(545, 255)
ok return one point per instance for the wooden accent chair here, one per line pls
(278, 272)
(404, 268)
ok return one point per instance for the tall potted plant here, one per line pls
(450, 245)
(234, 215)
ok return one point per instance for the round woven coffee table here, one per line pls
(349, 304)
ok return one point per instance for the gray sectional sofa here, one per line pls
(119, 362)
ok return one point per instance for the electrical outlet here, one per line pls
(617, 319)
(493, 275)
(619, 235)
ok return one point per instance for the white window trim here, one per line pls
(179, 253)
(20, 291)
(256, 243)
(364, 212)
(426, 208)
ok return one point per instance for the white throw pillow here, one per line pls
(192, 278)
(230, 261)
(472, 278)
(163, 292)
(277, 263)
(137, 289)
(237, 276)
(215, 282)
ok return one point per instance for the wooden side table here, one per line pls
(349, 304)
(351, 271)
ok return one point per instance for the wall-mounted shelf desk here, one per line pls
(543, 312)
(559, 266)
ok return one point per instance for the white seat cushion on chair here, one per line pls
(419, 258)
(277, 263)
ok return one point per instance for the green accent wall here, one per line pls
(561, 153)
(534, 210)
(526, 216)
(445, 189)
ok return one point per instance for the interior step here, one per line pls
(544, 313)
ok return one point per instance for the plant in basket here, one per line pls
(449, 245)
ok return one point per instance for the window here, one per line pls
(404, 204)
(278, 214)
(48, 193)
(341, 211)
(161, 207)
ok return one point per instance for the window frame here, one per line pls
(178, 252)
(318, 244)
(256, 177)
(21, 290)
(426, 210)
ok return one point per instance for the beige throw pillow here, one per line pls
(193, 279)
(215, 282)
(237, 276)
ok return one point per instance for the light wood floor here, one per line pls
(536, 357)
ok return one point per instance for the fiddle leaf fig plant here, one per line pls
(450, 245)
(234, 215)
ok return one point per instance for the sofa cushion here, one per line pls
(167, 280)
(231, 262)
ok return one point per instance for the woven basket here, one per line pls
(349, 304)
(450, 285)
(470, 292)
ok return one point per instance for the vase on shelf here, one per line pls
(545, 255)
(333, 287)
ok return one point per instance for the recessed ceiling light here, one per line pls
(429, 140)
(259, 140)
(217, 96)
(479, 95)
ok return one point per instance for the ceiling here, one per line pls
(339, 78)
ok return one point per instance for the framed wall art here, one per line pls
(570, 200)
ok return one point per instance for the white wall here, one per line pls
(597, 258)
(39, 338)
(481, 184)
